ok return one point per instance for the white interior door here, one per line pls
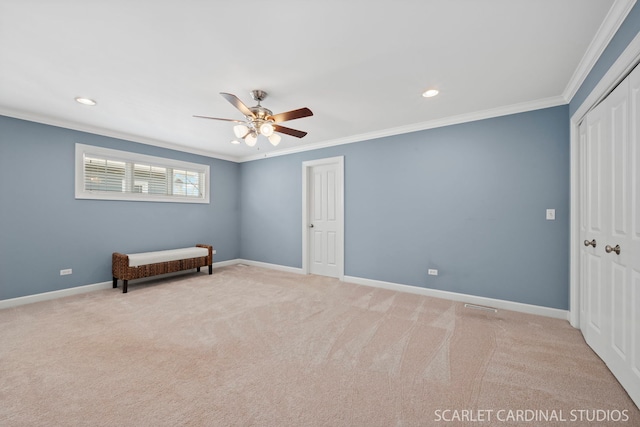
(324, 219)
(593, 233)
(624, 353)
(610, 209)
(633, 242)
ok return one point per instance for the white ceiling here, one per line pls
(360, 66)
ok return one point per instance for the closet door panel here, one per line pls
(595, 323)
(594, 165)
(619, 310)
(610, 280)
(582, 200)
(634, 138)
(633, 249)
(594, 296)
(619, 180)
(634, 331)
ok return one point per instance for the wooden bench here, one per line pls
(145, 264)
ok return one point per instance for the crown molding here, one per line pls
(625, 63)
(432, 124)
(46, 120)
(612, 22)
(447, 121)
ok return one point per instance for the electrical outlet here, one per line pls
(66, 272)
(433, 272)
(551, 214)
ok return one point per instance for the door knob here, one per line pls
(608, 249)
(590, 243)
(310, 225)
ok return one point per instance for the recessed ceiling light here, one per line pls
(430, 92)
(85, 101)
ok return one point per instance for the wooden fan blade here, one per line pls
(292, 115)
(289, 131)
(235, 101)
(216, 118)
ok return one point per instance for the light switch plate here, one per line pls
(551, 214)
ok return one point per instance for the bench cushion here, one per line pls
(145, 258)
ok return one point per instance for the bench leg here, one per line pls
(210, 269)
(124, 286)
(115, 282)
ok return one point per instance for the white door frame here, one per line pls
(623, 65)
(306, 169)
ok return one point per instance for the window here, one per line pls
(103, 173)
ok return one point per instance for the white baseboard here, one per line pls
(555, 313)
(270, 266)
(14, 302)
(471, 299)
(225, 263)
(488, 302)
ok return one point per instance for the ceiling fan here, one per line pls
(260, 120)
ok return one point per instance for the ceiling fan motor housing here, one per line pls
(260, 114)
(258, 95)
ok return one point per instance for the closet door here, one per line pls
(626, 321)
(610, 214)
(594, 287)
(617, 243)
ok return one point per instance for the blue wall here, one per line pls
(44, 229)
(469, 200)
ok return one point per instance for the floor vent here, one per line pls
(480, 307)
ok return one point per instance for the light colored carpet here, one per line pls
(255, 347)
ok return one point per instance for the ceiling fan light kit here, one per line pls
(274, 139)
(261, 121)
(266, 129)
(240, 131)
(251, 139)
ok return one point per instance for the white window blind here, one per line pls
(103, 173)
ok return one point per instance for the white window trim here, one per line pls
(83, 150)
